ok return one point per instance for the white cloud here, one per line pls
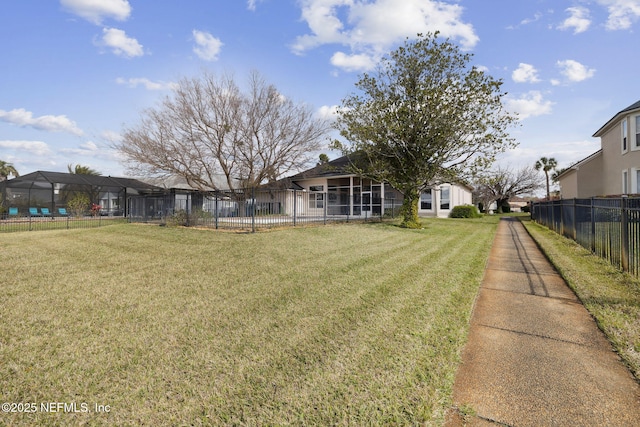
(37, 148)
(89, 145)
(24, 118)
(530, 104)
(622, 13)
(525, 73)
(111, 136)
(327, 112)
(575, 71)
(251, 4)
(526, 21)
(371, 28)
(565, 152)
(207, 47)
(88, 148)
(120, 43)
(146, 83)
(96, 11)
(578, 20)
(536, 17)
(356, 62)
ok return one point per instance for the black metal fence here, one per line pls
(608, 227)
(243, 210)
(27, 222)
(254, 209)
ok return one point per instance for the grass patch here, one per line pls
(358, 324)
(611, 296)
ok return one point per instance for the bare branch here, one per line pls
(210, 128)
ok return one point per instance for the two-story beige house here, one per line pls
(615, 168)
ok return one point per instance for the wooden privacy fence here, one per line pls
(608, 227)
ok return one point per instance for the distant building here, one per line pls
(615, 168)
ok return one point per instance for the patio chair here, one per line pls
(62, 211)
(34, 212)
(13, 211)
(45, 212)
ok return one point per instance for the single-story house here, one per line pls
(615, 168)
(333, 189)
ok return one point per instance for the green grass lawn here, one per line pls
(355, 324)
(611, 296)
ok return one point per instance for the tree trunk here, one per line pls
(410, 209)
(500, 203)
(548, 187)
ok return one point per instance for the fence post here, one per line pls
(325, 201)
(574, 229)
(295, 206)
(593, 225)
(253, 209)
(215, 211)
(561, 203)
(624, 234)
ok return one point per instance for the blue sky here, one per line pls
(75, 72)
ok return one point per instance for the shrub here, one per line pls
(464, 211)
(79, 204)
(179, 218)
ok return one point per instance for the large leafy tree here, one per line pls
(210, 128)
(424, 115)
(547, 165)
(7, 169)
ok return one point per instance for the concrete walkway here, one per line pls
(535, 357)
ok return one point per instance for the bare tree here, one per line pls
(504, 183)
(209, 128)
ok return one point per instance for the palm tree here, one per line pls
(82, 170)
(76, 194)
(547, 165)
(7, 169)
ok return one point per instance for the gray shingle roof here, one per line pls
(632, 107)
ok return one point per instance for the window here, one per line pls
(637, 131)
(625, 186)
(316, 200)
(624, 135)
(445, 198)
(316, 188)
(425, 200)
(635, 183)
